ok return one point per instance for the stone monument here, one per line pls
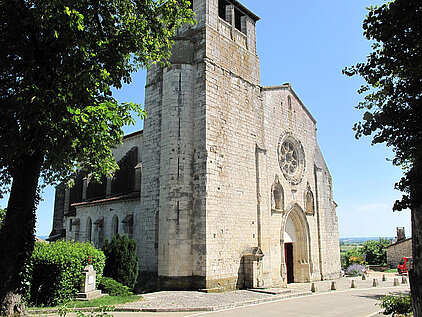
(88, 290)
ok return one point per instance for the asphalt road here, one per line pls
(350, 303)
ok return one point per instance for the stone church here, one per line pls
(226, 186)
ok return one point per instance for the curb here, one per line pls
(283, 296)
(212, 308)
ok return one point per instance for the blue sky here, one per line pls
(307, 43)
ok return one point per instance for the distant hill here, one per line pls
(362, 239)
(42, 237)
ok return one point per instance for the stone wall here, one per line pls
(101, 218)
(173, 190)
(397, 251)
(232, 124)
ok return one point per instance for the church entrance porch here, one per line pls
(295, 247)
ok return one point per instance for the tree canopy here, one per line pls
(393, 93)
(59, 60)
(393, 107)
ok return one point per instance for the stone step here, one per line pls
(273, 291)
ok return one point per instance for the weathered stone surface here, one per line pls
(398, 250)
(228, 168)
(88, 289)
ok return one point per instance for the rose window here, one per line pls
(291, 158)
(288, 158)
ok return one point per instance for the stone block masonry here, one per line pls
(235, 191)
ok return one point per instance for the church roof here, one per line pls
(288, 86)
(397, 242)
(127, 136)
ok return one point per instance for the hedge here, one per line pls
(113, 288)
(121, 260)
(57, 270)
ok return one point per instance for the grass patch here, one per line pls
(391, 271)
(97, 302)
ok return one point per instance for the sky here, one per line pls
(307, 43)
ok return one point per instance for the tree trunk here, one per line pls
(415, 275)
(17, 233)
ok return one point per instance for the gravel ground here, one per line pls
(199, 301)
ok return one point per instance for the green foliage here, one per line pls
(392, 96)
(121, 260)
(375, 251)
(2, 215)
(58, 73)
(343, 260)
(113, 288)
(97, 312)
(96, 302)
(65, 309)
(353, 256)
(60, 59)
(396, 304)
(57, 270)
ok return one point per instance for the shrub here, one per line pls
(396, 304)
(353, 256)
(57, 270)
(375, 251)
(372, 252)
(113, 288)
(355, 269)
(121, 260)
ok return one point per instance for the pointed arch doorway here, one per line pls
(296, 247)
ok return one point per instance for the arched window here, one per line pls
(128, 225)
(115, 225)
(157, 229)
(99, 232)
(89, 229)
(277, 199)
(289, 102)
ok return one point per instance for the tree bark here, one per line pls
(17, 233)
(415, 275)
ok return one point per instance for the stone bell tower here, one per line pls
(213, 75)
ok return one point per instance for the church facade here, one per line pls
(226, 186)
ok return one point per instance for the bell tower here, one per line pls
(183, 102)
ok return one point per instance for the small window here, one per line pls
(115, 225)
(128, 225)
(238, 20)
(130, 231)
(89, 229)
(289, 102)
(157, 229)
(99, 232)
(222, 9)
